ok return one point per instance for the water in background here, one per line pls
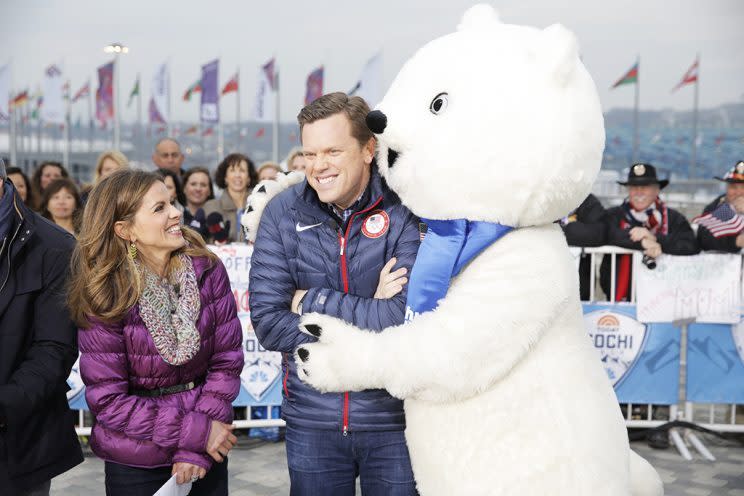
(669, 150)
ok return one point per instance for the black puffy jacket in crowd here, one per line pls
(680, 239)
(38, 346)
(589, 229)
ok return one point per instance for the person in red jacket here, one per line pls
(643, 222)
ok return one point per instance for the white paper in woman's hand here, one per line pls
(172, 488)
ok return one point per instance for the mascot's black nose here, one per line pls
(376, 121)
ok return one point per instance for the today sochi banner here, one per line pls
(641, 360)
(715, 363)
(260, 379)
(261, 376)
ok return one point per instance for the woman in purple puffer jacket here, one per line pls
(160, 340)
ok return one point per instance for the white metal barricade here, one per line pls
(83, 428)
(718, 417)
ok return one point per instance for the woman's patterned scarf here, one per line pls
(170, 309)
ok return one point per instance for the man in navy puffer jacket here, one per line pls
(339, 243)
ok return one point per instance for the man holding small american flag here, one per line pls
(721, 225)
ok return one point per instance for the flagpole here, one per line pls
(38, 123)
(26, 129)
(168, 101)
(201, 137)
(117, 103)
(38, 134)
(275, 130)
(13, 144)
(90, 118)
(22, 147)
(19, 132)
(220, 137)
(237, 110)
(11, 116)
(635, 110)
(220, 140)
(66, 149)
(691, 172)
(139, 117)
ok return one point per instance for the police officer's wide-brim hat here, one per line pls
(643, 175)
(735, 175)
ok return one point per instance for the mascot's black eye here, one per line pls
(439, 104)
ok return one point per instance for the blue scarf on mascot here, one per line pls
(448, 246)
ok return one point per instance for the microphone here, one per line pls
(198, 220)
(218, 228)
(332, 224)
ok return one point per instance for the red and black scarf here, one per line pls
(656, 220)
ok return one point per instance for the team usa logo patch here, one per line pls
(376, 224)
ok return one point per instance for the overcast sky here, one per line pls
(342, 35)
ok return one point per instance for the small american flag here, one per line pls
(723, 221)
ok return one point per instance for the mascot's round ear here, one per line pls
(557, 50)
(479, 17)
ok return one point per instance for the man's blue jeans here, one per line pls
(327, 463)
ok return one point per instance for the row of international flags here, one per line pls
(314, 84)
(368, 86)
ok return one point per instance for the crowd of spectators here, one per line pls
(644, 223)
(207, 198)
(212, 203)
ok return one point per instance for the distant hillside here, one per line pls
(730, 115)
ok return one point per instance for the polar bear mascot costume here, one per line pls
(489, 134)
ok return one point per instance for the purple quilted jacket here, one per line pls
(153, 432)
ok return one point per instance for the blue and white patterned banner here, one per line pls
(641, 360)
(715, 363)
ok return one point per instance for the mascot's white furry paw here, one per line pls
(262, 194)
(644, 479)
(337, 361)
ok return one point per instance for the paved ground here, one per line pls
(259, 468)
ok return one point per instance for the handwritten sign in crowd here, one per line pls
(705, 287)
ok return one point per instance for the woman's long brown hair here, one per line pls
(105, 281)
